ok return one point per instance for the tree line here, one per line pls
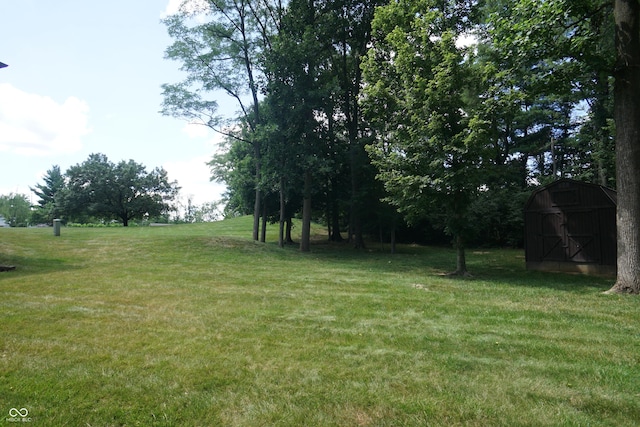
(369, 115)
(96, 190)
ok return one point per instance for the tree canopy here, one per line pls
(15, 209)
(124, 191)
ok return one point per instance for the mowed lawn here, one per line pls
(197, 325)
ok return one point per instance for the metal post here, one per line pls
(56, 227)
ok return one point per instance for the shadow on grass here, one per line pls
(32, 265)
(507, 266)
(558, 281)
(499, 267)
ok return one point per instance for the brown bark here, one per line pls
(282, 214)
(263, 233)
(305, 238)
(256, 206)
(334, 235)
(461, 258)
(289, 226)
(627, 118)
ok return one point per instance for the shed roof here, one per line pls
(561, 187)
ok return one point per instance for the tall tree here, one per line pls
(300, 88)
(430, 156)
(46, 192)
(349, 25)
(123, 191)
(222, 54)
(627, 117)
(53, 182)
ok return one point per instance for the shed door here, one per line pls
(553, 237)
(582, 237)
(571, 236)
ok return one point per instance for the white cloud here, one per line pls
(174, 6)
(194, 130)
(193, 177)
(32, 124)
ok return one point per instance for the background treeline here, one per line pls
(96, 191)
(417, 119)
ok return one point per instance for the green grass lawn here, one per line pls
(197, 325)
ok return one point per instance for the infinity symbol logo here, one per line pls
(22, 412)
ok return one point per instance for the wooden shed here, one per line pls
(571, 226)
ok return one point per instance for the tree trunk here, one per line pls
(256, 207)
(461, 258)
(288, 238)
(335, 229)
(627, 118)
(393, 235)
(328, 215)
(358, 238)
(355, 161)
(249, 63)
(263, 234)
(600, 118)
(282, 214)
(335, 235)
(305, 239)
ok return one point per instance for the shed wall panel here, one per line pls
(571, 222)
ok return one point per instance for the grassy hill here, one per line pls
(197, 325)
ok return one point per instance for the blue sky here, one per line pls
(84, 77)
